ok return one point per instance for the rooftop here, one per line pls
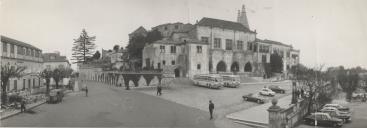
(273, 42)
(17, 42)
(54, 57)
(211, 22)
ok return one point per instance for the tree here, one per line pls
(59, 74)
(276, 63)
(348, 80)
(8, 72)
(153, 36)
(137, 43)
(96, 55)
(116, 48)
(47, 75)
(83, 47)
(315, 81)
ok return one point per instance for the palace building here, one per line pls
(17, 53)
(214, 46)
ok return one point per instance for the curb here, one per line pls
(18, 111)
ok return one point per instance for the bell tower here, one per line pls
(242, 18)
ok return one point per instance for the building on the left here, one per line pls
(17, 53)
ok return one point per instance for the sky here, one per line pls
(327, 32)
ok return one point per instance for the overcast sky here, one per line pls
(330, 32)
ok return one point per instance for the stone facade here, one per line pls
(17, 53)
(230, 47)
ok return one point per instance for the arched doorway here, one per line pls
(235, 67)
(177, 72)
(248, 67)
(221, 67)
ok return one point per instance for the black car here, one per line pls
(253, 98)
(323, 119)
(277, 89)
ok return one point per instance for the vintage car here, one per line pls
(339, 107)
(323, 119)
(254, 98)
(333, 112)
(277, 89)
(267, 92)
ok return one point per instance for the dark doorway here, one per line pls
(235, 67)
(177, 72)
(221, 67)
(248, 67)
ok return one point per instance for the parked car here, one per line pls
(254, 98)
(323, 119)
(333, 112)
(277, 89)
(339, 107)
(267, 92)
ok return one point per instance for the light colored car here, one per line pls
(267, 92)
(334, 112)
(337, 106)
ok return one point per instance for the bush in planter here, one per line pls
(15, 98)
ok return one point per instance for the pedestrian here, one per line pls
(302, 92)
(22, 106)
(211, 108)
(86, 91)
(297, 93)
(159, 90)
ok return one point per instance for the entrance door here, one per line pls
(177, 72)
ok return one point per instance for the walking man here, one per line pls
(86, 91)
(211, 108)
(22, 106)
(159, 90)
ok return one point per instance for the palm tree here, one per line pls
(8, 72)
(47, 74)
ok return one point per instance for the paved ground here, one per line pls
(259, 113)
(111, 107)
(226, 100)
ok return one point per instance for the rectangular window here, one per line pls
(198, 66)
(15, 85)
(164, 62)
(240, 45)
(162, 49)
(249, 46)
(288, 54)
(32, 52)
(12, 48)
(173, 49)
(20, 50)
(255, 47)
(176, 26)
(5, 47)
(173, 62)
(199, 49)
(228, 44)
(263, 58)
(205, 39)
(217, 42)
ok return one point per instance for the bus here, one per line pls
(210, 81)
(231, 81)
